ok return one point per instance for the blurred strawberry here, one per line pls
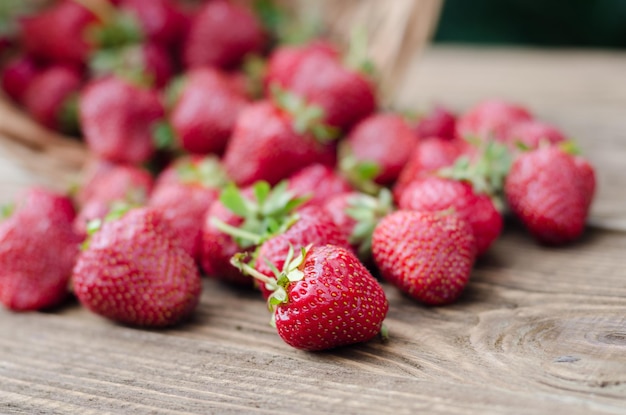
(221, 34)
(205, 110)
(159, 21)
(60, 33)
(37, 251)
(17, 74)
(491, 119)
(317, 183)
(439, 123)
(187, 190)
(118, 119)
(51, 98)
(531, 134)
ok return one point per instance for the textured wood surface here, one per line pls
(539, 330)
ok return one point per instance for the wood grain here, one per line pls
(538, 330)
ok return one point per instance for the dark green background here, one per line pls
(582, 23)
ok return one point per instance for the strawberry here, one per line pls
(312, 226)
(51, 97)
(241, 220)
(324, 298)
(184, 194)
(432, 194)
(427, 255)
(439, 123)
(345, 95)
(317, 183)
(118, 119)
(357, 214)
(37, 251)
(221, 34)
(134, 271)
(146, 62)
(17, 74)
(429, 156)
(551, 192)
(491, 119)
(204, 114)
(267, 144)
(158, 21)
(107, 183)
(382, 141)
(60, 33)
(532, 133)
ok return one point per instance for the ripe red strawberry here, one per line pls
(107, 183)
(551, 192)
(37, 251)
(60, 33)
(17, 74)
(158, 21)
(204, 114)
(345, 95)
(439, 123)
(51, 97)
(325, 298)
(184, 195)
(118, 119)
(384, 141)
(313, 226)
(134, 271)
(357, 214)
(532, 133)
(432, 194)
(427, 255)
(221, 34)
(429, 156)
(266, 146)
(147, 62)
(491, 119)
(318, 183)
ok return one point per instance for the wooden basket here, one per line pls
(396, 30)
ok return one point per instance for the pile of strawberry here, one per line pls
(300, 186)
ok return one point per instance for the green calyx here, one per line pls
(207, 172)
(269, 213)
(254, 68)
(125, 62)
(486, 173)
(6, 211)
(118, 209)
(164, 136)
(367, 211)
(287, 27)
(291, 272)
(118, 29)
(359, 173)
(357, 57)
(69, 120)
(307, 118)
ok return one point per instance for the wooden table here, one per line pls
(539, 330)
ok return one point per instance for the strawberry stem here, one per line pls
(236, 232)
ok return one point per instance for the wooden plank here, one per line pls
(538, 330)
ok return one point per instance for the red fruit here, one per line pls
(345, 96)
(160, 21)
(429, 156)
(318, 183)
(532, 133)
(204, 115)
(107, 183)
(17, 75)
(439, 123)
(432, 194)
(551, 192)
(265, 146)
(314, 226)
(427, 255)
(135, 272)
(383, 140)
(221, 34)
(491, 120)
(37, 251)
(327, 299)
(47, 97)
(60, 33)
(185, 195)
(118, 119)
